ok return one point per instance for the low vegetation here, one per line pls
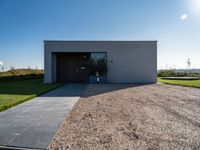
(21, 74)
(174, 73)
(190, 83)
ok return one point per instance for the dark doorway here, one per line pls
(72, 67)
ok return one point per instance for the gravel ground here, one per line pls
(148, 117)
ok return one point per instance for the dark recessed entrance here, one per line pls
(72, 67)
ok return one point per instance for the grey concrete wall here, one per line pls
(128, 61)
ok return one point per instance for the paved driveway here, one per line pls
(34, 123)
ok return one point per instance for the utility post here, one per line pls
(188, 65)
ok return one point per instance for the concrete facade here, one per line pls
(127, 61)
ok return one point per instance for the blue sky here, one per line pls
(24, 24)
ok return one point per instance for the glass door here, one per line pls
(98, 67)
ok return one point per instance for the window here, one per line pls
(98, 64)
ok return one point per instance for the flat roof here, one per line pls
(99, 41)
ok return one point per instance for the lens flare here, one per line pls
(184, 17)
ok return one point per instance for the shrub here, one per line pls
(174, 73)
(21, 74)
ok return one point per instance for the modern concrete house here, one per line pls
(100, 61)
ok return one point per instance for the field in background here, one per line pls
(190, 83)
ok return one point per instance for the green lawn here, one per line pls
(191, 83)
(15, 92)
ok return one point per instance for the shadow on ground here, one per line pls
(74, 90)
(33, 86)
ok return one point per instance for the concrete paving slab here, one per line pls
(34, 123)
(37, 136)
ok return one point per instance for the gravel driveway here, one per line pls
(123, 116)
